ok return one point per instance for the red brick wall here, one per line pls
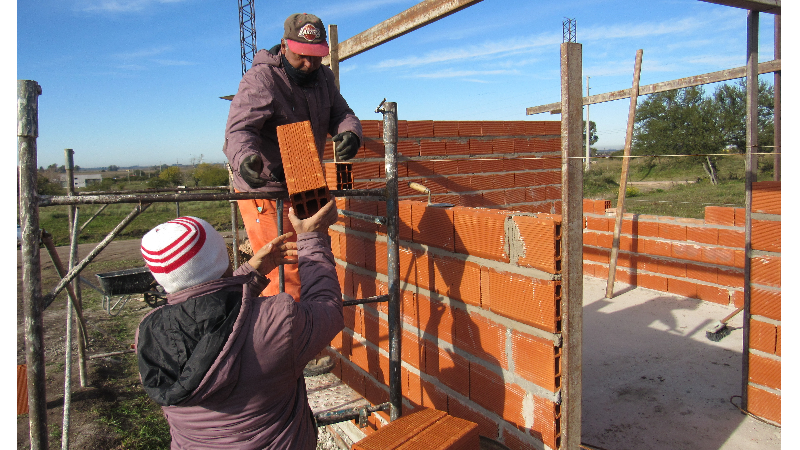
(764, 377)
(694, 258)
(480, 316)
(509, 165)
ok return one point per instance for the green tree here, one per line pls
(210, 175)
(592, 133)
(172, 175)
(46, 187)
(113, 168)
(679, 122)
(731, 113)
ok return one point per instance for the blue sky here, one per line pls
(131, 82)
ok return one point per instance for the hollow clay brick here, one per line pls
(305, 180)
(514, 196)
(458, 147)
(537, 360)
(375, 395)
(654, 282)
(718, 255)
(672, 232)
(353, 249)
(368, 170)
(764, 371)
(480, 147)
(737, 297)
(480, 337)
(767, 197)
(359, 356)
(434, 318)
(376, 330)
(486, 426)
(701, 273)
(457, 279)
(400, 431)
(763, 336)
(420, 128)
(766, 270)
(420, 168)
(431, 148)
(730, 277)
(487, 389)
(589, 238)
(731, 238)
(657, 248)
(352, 377)
(450, 369)
(468, 128)
(372, 128)
(764, 404)
(682, 288)
(412, 350)
(778, 343)
(500, 146)
(432, 226)
(647, 229)
(525, 300)
(446, 167)
(480, 233)
(765, 303)
(533, 194)
(599, 224)
(541, 240)
(364, 286)
(596, 255)
(432, 396)
(407, 148)
(719, 215)
(766, 236)
(513, 127)
(445, 128)
(702, 235)
(547, 421)
(713, 294)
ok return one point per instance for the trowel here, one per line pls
(422, 189)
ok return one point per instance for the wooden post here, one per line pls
(572, 241)
(623, 178)
(77, 302)
(28, 93)
(750, 168)
(776, 117)
(333, 43)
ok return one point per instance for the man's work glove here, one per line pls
(250, 169)
(348, 145)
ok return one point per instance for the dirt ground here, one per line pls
(85, 431)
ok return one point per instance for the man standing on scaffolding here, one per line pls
(286, 84)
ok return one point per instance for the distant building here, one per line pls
(82, 181)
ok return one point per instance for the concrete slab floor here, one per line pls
(652, 380)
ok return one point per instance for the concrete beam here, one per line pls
(767, 6)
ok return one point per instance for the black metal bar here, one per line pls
(343, 415)
(92, 218)
(281, 278)
(389, 111)
(365, 217)
(379, 192)
(363, 301)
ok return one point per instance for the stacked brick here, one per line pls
(305, 180)
(426, 428)
(693, 258)
(764, 355)
(480, 316)
(513, 165)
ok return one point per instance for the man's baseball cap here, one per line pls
(305, 35)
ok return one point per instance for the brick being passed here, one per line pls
(305, 180)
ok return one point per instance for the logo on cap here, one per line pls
(309, 32)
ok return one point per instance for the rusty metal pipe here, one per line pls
(363, 301)
(343, 415)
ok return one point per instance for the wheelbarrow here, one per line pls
(121, 286)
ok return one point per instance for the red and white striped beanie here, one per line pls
(184, 252)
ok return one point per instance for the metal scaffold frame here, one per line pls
(35, 301)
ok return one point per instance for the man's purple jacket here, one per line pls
(266, 99)
(227, 366)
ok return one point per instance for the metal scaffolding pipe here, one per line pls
(365, 217)
(73, 257)
(363, 301)
(47, 200)
(92, 218)
(279, 218)
(28, 93)
(343, 415)
(153, 191)
(100, 246)
(389, 111)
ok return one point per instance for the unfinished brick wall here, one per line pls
(693, 258)
(508, 165)
(764, 377)
(480, 315)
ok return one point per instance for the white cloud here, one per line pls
(143, 53)
(450, 73)
(173, 62)
(119, 6)
(344, 9)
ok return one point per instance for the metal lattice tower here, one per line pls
(569, 29)
(247, 32)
